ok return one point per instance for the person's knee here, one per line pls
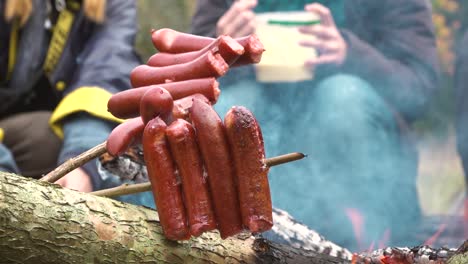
(342, 90)
(342, 100)
(43, 134)
(32, 142)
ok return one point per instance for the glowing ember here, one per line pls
(405, 255)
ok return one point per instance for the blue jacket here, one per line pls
(95, 61)
(72, 73)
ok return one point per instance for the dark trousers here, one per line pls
(29, 147)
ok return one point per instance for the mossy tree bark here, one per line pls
(44, 223)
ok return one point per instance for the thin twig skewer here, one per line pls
(75, 162)
(100, 149)
(146, 186)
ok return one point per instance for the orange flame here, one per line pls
(383, 242)
(430, 241)
(357, 221)
(371, 247)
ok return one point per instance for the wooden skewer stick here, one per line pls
(146, 186)
(75, 162)
(124, 189)
(100, 149)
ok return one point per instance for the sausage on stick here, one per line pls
(124, 135)
(184, 149)
(248, 152)
(211, 138)
(209, 64)
(164, 182)
(156, 101)
(227, 47)
(169, 41)
(126, 104)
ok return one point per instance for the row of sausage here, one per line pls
(205, 173)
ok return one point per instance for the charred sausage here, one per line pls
(182, 106)
(184, 149)
(247, 149)
(207, 65)
(253, 50)
(213, 144)
(126, 104)
(172, 41)
(227, 47)
(164, 182)
(124, 135)
(156, 101)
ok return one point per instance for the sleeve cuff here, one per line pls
(90, 99)
(82, 132)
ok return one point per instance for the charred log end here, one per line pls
(265, 252)
(463, 248)
(261, 246)
(271, 252)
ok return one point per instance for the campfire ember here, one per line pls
(129, 166)
(415, 255)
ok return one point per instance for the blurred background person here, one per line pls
(60, 61)
(375, 73)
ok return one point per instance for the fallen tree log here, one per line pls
(44, 223)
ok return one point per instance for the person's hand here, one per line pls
(239, 20)
(77, 180)
(330, 45)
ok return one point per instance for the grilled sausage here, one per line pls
(156, 101)
(246, 144)
(172, 41)
(182, 106)
(253, 50)
(164, 182)
(124, 135)
(208, 65)
(227, 47)
(184, 149)
(213, 144)
(126, 104)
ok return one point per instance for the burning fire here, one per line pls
(358, 222)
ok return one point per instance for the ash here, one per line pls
(287, 230)
(126, 168)
(405, 255)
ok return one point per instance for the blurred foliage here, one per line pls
(155, 14)
(450, 17)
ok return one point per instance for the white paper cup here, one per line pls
(283, 59)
